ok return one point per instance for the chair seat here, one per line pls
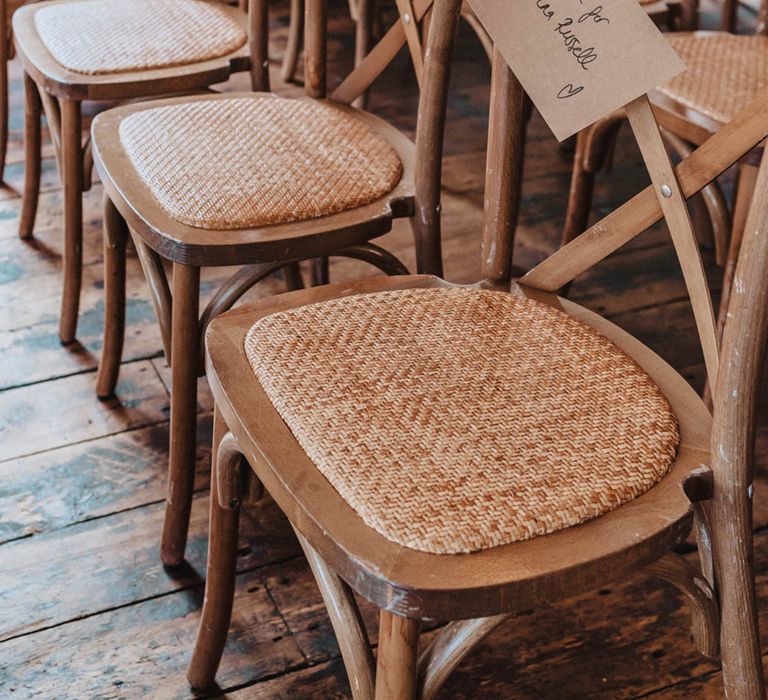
(725, 72)
(96, 37)
(456, 420)
(258, 160)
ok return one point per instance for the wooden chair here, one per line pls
(191, 46)
(465, 453)
(285, 180)
(725, 72)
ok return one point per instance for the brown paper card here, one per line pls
(579, 60)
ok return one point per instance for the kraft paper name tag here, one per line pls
(579, 60)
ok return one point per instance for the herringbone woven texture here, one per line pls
(458, 420)
(118, 36)
(725, 72)
(256, 161)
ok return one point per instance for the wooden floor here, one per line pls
(86, 609)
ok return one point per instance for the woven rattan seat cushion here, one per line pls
(118, 36)
(725, 72)
(455, 420)
(255, 161)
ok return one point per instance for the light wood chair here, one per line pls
(725, 72)
(465, 453)
(190, 46)
(285, 180)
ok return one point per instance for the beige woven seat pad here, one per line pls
(725, 72)
(458, 420)
(255, 161)
(119, 36)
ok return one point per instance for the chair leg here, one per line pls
(580, 193)
(293, 47)
(321, 272)
(347, 623)
(293, 277)
(396, 677)
(72, 174)
(115, 238)
(363, 25)
(221, 571)
(739, 631)
(258, 21)
(33, 111)
(705, 616)
(185, 333)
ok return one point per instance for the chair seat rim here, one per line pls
(670, 109)
(63, 82)
(509, 578)
(189, 245)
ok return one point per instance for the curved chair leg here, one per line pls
(185, 338)
(347, 624)
(705, 615)
(115, 238)
(222, 561)
(376, 256)
(293, 47)
(229, 292)
(33, 111)
(396, 662)
(72, 175)
(449, 648)
(160, 292)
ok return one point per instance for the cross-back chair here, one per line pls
(115, 50)
(725, 73)
(254, 180)
(464, 453)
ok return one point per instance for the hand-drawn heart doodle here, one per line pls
(569, 91)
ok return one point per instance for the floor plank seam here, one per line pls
(163, 594)
(89, 370)
(85, 441)
(93, 518)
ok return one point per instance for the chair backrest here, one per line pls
(733, 371)
(413, 18)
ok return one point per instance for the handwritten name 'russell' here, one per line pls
(584, 55)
